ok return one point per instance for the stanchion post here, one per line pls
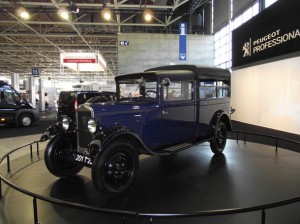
(8, 164)
(35, 212)
(37, 148)
(237, 137)
(244, 139)
(31, 151)
(263, 217)
(0, 188)
(276, 144)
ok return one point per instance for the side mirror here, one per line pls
(166, 82)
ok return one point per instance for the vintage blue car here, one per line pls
(157, 112)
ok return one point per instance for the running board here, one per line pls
(177, 148)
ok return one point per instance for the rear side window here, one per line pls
(214, 89)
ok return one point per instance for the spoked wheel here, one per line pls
(59, 158)
(218, 143)
(114, 169)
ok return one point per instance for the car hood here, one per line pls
(123, 105)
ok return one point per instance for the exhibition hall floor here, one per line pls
(192, 180)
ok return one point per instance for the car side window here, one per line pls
(178, 91)
(213, 89)
(9, 96)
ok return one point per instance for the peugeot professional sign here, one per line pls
(275, 32)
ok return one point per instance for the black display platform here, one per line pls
(192, 180)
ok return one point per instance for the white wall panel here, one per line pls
(268, 95)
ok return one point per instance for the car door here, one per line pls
(178, 112)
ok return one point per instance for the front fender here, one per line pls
(51, 131)
(104, 138)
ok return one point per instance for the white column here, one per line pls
(41, 95)
(15, 81)
(32, 97)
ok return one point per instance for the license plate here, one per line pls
(83, 159)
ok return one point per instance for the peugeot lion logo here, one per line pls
(246, 49)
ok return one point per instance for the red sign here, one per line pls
(79, 60)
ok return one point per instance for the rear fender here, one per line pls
(218, 117)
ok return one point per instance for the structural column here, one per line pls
(15, 81)
(32, 98)
(41, 95)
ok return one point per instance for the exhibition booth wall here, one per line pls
(268, 95)
(266, 64)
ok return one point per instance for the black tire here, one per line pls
(25, 120)
(115, 168)
(218, 143)
(59, 159)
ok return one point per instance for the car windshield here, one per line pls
(137, 88)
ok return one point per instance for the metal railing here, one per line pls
(151, 216)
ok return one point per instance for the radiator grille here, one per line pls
(83, 135)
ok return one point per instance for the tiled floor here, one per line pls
(192, 180)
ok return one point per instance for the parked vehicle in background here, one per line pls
(14, 108)
(105, 97)
(157, 112)
(69, 101)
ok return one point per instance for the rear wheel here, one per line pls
(218, 143)
(59, 158)
(115, 168)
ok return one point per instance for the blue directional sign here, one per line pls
(182, 41)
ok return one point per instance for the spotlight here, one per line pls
(73, 7)
(148, 14)
(106, 13)
(22, 12)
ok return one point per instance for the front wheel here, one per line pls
(25, 120)
(59, 158)
(115, 168)
(218, 143)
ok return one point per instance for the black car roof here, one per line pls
(191, 71)
(197, 70)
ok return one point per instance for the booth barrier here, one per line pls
(240, 135)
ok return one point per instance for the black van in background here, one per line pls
(68, 102)
(14, 108)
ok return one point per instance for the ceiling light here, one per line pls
(22, 12)
(64, 14)
(106, 13)
(148, 14)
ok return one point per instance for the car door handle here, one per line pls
(164, 112)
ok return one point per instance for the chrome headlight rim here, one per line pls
(65, 122)
(92, 125)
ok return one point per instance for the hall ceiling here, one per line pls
(38, 41)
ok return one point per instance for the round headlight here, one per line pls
(92, 126)
(65, 123)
